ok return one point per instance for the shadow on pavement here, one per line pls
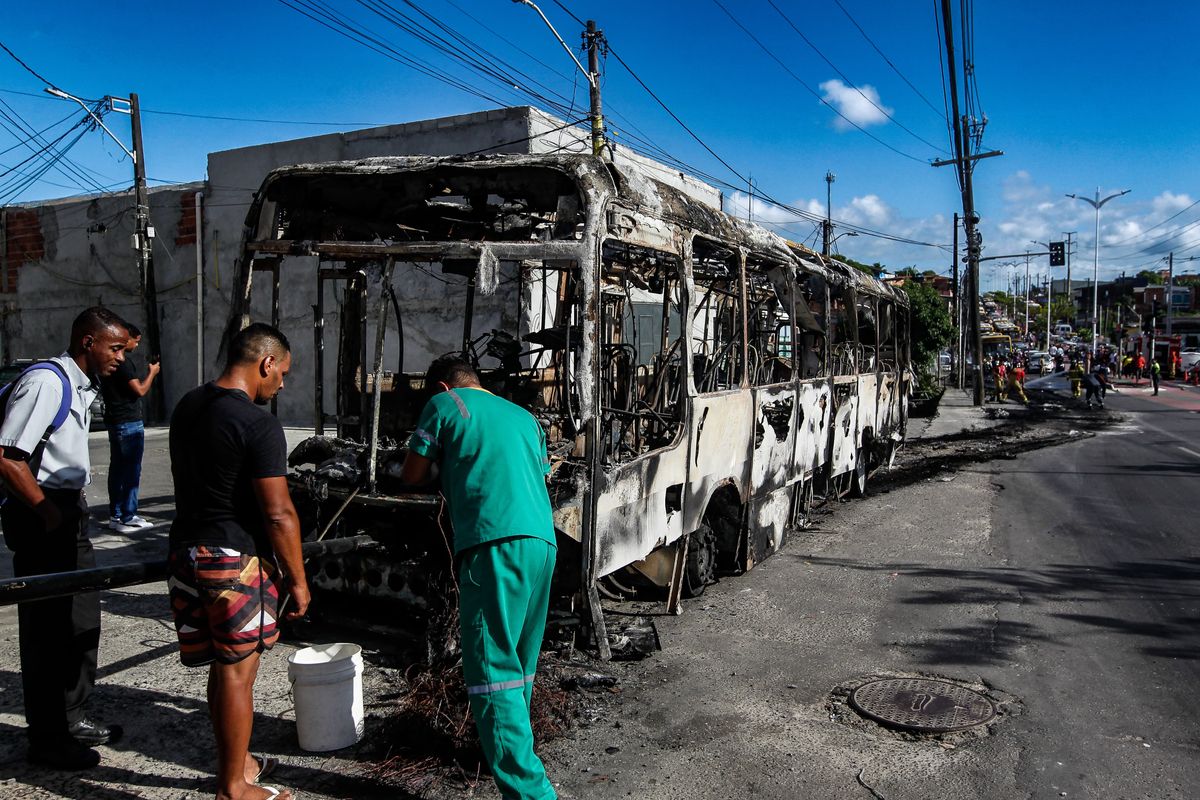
(1146, 583)
(172, 730)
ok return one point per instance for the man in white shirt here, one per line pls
(44, 469)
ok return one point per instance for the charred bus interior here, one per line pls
(695, 375)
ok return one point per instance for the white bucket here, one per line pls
(327, 687)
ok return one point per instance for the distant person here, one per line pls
(1141, 367)
(1075, 375)
(492, 464)
(123, 392)
(1092, 388)
(1101, 373)
(1155, 373)
(1016, 383)
(234, 518)
(999, 381)
(44, 464)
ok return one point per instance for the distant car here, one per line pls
(10, 371)
(1039, 361)
(944, 362)
(1190, 358)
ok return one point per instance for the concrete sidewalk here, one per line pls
(956, 414)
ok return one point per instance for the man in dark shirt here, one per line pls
(123, 392)
(234, 518)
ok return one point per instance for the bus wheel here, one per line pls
(804, 505)
(701, 568)
(858, 476)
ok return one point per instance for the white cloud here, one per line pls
(868, 210)
(1134, 234)
(860, 106)
(1169, 202)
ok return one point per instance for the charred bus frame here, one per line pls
(697, 375)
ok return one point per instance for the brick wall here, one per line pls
(24, 243)
(186, 234)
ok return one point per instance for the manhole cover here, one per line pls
(919, 704)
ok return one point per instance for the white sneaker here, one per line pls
(112, 521)
(139, 522)
(122, 527)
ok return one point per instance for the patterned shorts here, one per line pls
(224, 604)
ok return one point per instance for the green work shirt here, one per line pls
(492, 460)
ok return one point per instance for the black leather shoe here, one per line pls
(90, 733)
(66, 754)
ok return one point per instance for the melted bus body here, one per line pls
(696, 375)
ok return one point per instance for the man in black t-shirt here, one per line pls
(123, 392)
(234, 521)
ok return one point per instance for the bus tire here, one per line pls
(701, 567)
(858, 475)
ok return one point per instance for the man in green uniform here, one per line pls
(492, 462)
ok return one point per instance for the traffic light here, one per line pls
(1058, 254)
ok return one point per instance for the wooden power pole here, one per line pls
(594, 39)
(143, 243)
(964, 163)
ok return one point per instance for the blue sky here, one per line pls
(1078, 95)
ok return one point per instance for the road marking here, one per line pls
(1191, 453)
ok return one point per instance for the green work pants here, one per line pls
(504, 589)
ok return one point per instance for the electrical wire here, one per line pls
(42, 132)
(811, 90)
(851, 83)
(28, 68)
(387, 50)
(526, 139)
(1155, 225)
(69, 170)
(943, 115)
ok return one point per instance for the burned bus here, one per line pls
(698, 377)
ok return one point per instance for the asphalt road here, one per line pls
(1063, 582)
(1099, 602)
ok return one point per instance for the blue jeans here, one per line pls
(127, 441)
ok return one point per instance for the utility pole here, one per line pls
(1026, 294)
(1070, 288)
(964, 164)
(956, 299)
(1170, 290)
(143, 243)
(595, 38)
(1049, 305)
(827, 227)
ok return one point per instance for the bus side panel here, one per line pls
(868, 406)
(815, 420)
(844, 442)
(775, 434)
(889, 407)
(721, 430)
(635, 513)
(770, 513)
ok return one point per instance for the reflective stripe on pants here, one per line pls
(504, 590)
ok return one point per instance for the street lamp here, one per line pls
(840, 235)
(1096, 204)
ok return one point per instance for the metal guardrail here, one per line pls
(61, 584)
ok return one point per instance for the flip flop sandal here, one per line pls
(266, 765)
(276, 792)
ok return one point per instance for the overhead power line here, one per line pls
(811, 90)
(851, 83)
(28, 68)
(888, 60)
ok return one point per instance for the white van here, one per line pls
(1063, 329)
